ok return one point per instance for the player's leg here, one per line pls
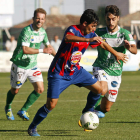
(35, 77)
(110, 97)
(105, 105)
(56, 84)
(17, 80)
(93, 98)
(41, 115)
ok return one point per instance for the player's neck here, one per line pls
(81, 28)
(114, 30)
(35, 28)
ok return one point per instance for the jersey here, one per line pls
(105, 59)
(30, 38)
(69, 54)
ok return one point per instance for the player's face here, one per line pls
(90, 28)
(38, 21)
(112, 22)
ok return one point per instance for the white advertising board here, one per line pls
(44, 61)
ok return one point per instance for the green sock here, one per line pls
(30, 100)
(98, 108)
(9, 99)
(97, 103)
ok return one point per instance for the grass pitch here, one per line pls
(121, 123)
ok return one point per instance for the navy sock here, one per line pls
(39, 117)
(92, 98)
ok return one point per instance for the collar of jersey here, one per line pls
(113, 32)
(33, 29)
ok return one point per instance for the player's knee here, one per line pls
(39, 90)
(103, 91)
(51, 105)
(14, 91)
(99, 91)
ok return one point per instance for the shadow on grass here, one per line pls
(120, 122)
(55, 132)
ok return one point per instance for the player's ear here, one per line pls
(84, 23)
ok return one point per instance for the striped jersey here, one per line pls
(69, 54)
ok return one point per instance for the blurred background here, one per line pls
(16, 14)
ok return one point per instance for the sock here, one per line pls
(98, 108)
(97, 103)
(30, 100)
(39, 117)
(9, 99)
(92, 98)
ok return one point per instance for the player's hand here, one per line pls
(47, 50)
(98, 39)
(121, 56)
(127, 45)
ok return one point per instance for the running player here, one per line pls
(65, 70)
(25, 63)
(105, 68)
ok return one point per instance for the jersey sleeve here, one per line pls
(25, 37)
(94, 43)
(129, 37)
(45, 40)
(71, 31)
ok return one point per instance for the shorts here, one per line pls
(19, 75)
(113, 83)
(57, 84)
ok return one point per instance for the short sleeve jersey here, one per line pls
(105, 59)
(30, 38)
(69, 54)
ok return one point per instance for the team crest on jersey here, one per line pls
(75, 57)
(32, 38)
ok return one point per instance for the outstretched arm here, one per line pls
(73, 38)
(118, 55)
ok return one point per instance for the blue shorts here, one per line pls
(57, 84)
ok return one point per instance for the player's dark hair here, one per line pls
(89, 16)
(40, 10)
(113, 9)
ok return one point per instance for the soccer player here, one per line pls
(105, 68)
(65, 70)
(25, 63)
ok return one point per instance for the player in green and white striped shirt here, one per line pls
(25, 63)
(105, 68)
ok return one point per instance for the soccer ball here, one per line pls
(89, 120)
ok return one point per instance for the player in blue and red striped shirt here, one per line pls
(65, 69)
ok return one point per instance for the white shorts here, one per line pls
(113, 83)
(19, 75)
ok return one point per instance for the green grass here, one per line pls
(121, 123)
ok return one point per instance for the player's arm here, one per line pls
(131, 47)
(118, 55)
(73, 38)
(28, 50)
